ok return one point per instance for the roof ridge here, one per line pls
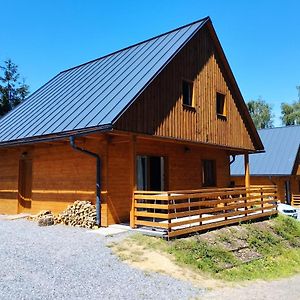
(279, 127)
(136, 44)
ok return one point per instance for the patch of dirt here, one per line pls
(247, 255)
(150, 260)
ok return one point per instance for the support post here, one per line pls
(247, 179)
(247, 170)
(133, 178)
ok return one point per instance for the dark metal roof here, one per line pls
(94, 94)
(281, 146)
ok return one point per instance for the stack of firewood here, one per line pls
(44, 218)
(80, 213)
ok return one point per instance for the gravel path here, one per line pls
(60, 262)
(287, 288)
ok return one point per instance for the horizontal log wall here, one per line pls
(61, 175)
(9, 173)
(159, 110)
(184, 170)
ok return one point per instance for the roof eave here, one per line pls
(56, 136)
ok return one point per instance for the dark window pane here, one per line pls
(209, 173)
(220, 104)
(187, 92)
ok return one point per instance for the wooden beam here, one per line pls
(247, 170)
(105, 182)
(133, 179)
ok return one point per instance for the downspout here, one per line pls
(98, 177)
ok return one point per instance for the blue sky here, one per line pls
(261, 39)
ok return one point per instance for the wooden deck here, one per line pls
(183, 212)
(296, 200)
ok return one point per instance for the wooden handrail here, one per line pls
(184, 211)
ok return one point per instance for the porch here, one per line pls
(177, 213)
(296, 200)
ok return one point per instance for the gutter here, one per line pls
(56, 136)
(98, 177)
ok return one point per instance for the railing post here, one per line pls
(262, 199)
(225, 211)
(169, 219)
(247, 179)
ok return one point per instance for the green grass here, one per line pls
(202, 255)
(269, 267)
(276, 241)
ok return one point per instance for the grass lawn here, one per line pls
(261, 250)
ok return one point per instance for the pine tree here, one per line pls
(12, 91)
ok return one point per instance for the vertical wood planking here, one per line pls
(159, 110)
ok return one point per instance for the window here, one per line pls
(221, 104)
(187, 93)
(208, 173)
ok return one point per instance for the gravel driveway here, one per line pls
(61, 262)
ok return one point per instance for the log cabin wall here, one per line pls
(9, 172)
(61, 175)
(119, 185)
(184, 169)
(159, 111)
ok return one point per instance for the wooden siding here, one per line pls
(184, 169)
(159, 111)
(9, 172)
(61, 175)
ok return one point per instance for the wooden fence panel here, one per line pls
(183, 212)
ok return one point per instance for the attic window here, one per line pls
(187, 93)
(220, 99)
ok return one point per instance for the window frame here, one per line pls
(190, 84)
(220, 114)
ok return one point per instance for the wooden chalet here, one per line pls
(279, 165)
(145, 132)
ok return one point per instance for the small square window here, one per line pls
(209, 173)
(221, 104)
(187, 93)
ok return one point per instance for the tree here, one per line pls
(261, 113)
(12, 91)
(290, 113)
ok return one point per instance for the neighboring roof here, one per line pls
(281, 149)
(92, 95)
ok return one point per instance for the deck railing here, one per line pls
(296, 200)
(183, 212)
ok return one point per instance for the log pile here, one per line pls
(44, 218)
(80, 214)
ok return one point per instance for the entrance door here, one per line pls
(150, 173)
(25, 184)
(287, 188)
